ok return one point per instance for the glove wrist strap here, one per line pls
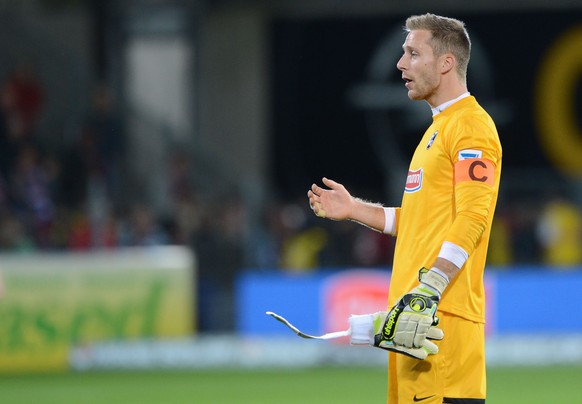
(435, 281)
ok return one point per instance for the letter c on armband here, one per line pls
(481, 170)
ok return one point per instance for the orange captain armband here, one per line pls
(477, 169)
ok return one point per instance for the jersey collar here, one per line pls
(441, 108)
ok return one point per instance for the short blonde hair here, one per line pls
(448, 35)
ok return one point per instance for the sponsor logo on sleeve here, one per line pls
(413, 181)
(470, 154)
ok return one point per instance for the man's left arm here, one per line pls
(474, 192)
(413, 319)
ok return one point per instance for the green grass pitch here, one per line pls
(541, 385)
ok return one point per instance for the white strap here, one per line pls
(390, 221)
(454, 253)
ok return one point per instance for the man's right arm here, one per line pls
(374, 216)
(337, 203)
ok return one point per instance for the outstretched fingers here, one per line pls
(331, 201)
(314, 195)
(313, 198)
(315, 190)
(315, 204)
(330, 183)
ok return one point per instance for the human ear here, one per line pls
(447, 62)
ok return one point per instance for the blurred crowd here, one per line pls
(46, 195)
(524, 233)
(74, 199)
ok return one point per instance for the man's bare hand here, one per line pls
(334, 203)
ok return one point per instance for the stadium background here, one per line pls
(154, 160)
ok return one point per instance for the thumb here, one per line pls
(435, 333)
(330, 183)
(430, 347)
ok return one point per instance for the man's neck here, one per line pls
(450, 89)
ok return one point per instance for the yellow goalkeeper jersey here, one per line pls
(450, 195)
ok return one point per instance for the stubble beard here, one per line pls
(423, 92)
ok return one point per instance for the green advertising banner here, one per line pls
(54, 302)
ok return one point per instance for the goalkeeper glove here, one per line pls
(410, 324)
(367, 329)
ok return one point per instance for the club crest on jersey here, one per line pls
(470, 154)
(431, 140)
(413, 181)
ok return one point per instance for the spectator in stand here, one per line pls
(24, 98)
(31, 194)
(559, 230)
(143, 228)
(104, 141)
(185, 207)
(13, 235)
(8, 145)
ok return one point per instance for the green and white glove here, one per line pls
(366, 329)
(410, 325)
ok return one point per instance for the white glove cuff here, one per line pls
(362, 329)
(435, 280)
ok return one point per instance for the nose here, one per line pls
(400, 64)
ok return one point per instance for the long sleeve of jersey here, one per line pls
(472, 214)
(475, 159)
(450, 195)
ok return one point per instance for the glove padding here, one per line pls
(368, 329)
(410, 319)
(410, 324)
(414, 315)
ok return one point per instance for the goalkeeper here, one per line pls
(442, 227)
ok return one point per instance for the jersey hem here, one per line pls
(462, 314)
